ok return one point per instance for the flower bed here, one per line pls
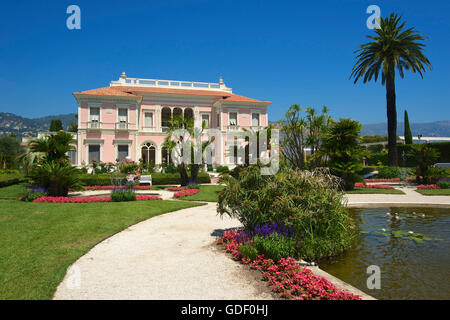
(176, 188)
(286, 277)
(89, 199)
(373, 186)
(428, 186)
(186, 192)
(382, 180)
(110, 187)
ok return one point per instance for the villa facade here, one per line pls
(129, 119)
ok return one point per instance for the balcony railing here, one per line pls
(233, 127)
(122, 125)
(94, 125)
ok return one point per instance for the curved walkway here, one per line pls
(410, 198)
(171, 256)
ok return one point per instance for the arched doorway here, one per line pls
(148, 152)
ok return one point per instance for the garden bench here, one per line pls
(146, 179)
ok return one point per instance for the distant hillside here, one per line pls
(427, 129)
(11, 123)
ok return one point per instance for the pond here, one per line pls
(413, 265)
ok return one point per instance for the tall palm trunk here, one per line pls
(392, 119)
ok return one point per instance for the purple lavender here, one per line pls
(266, 230)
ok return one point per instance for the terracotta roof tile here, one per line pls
(107, 91)
(125, 91)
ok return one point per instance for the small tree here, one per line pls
(425, 156)
(73, 127)
(341, 145)
(55, 126)
(53, 169)
(9, 150)
(178, 122)
(408, 134)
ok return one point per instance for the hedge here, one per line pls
(442, 147)
(157, 178)
(7, 179)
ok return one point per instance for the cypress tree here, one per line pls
(55, 125)
(408, 134)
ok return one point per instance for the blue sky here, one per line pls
(282, 51)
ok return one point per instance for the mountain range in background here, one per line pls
(22, 127)
(426, 129)
(29, 127)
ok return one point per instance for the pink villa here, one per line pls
(129, 119)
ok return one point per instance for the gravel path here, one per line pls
(410, 198)
(171, 256)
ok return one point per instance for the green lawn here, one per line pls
(206, 193)
(374, 191)
(12, 192)
(39, 241)
(434, 192)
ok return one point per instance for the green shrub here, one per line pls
(435, 173)
(275, 246)
(444, 150)
(56, 177)
(34, 193)
(158, 178)
(375, 159)
(7, 179)
(119, 195)
(444, 184)
(193, 186)
(129, 167)
(248, 251)
(309, 201)
(385, 172)
(222, 169)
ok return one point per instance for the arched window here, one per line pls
(166, 115)
(149, 153)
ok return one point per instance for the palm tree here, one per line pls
(392, 49)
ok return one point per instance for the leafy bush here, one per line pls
(435, 173)
(34, 193)
(128, 167)
(222, 169)
(308, 201)
(57, 177)
(123, 194)
(157, 178)
(275, 246)
(444, 184)
(7, 179)
(376, 159)
(248, 251)
(394, 172)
